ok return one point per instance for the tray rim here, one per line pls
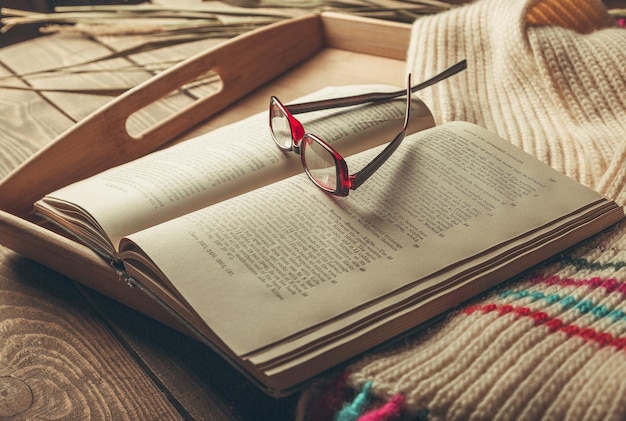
(53, 250)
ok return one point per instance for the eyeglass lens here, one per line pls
(319, 163)
(280, 127)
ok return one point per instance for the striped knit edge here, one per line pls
(551, 346)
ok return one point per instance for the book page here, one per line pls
(215, 166)
(268, 265)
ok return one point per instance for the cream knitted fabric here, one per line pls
(549, 75)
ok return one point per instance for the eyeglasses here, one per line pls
(322, 163)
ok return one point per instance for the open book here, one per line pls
(285, 281)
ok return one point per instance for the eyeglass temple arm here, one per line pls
(367, 171)
(374, 96)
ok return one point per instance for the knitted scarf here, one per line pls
(549, 76)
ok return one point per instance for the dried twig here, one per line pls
(159, 27)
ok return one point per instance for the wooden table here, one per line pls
(67, 352)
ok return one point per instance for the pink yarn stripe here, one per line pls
(555, 324)
(610, 284)
(388, 412)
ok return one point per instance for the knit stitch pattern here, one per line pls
(549, 76)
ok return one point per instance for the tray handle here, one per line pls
(101, 140)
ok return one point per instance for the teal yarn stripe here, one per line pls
(352, 411)
(584, 306)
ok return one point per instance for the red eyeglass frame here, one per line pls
(345, 180)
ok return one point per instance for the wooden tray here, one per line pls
(288, 59)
